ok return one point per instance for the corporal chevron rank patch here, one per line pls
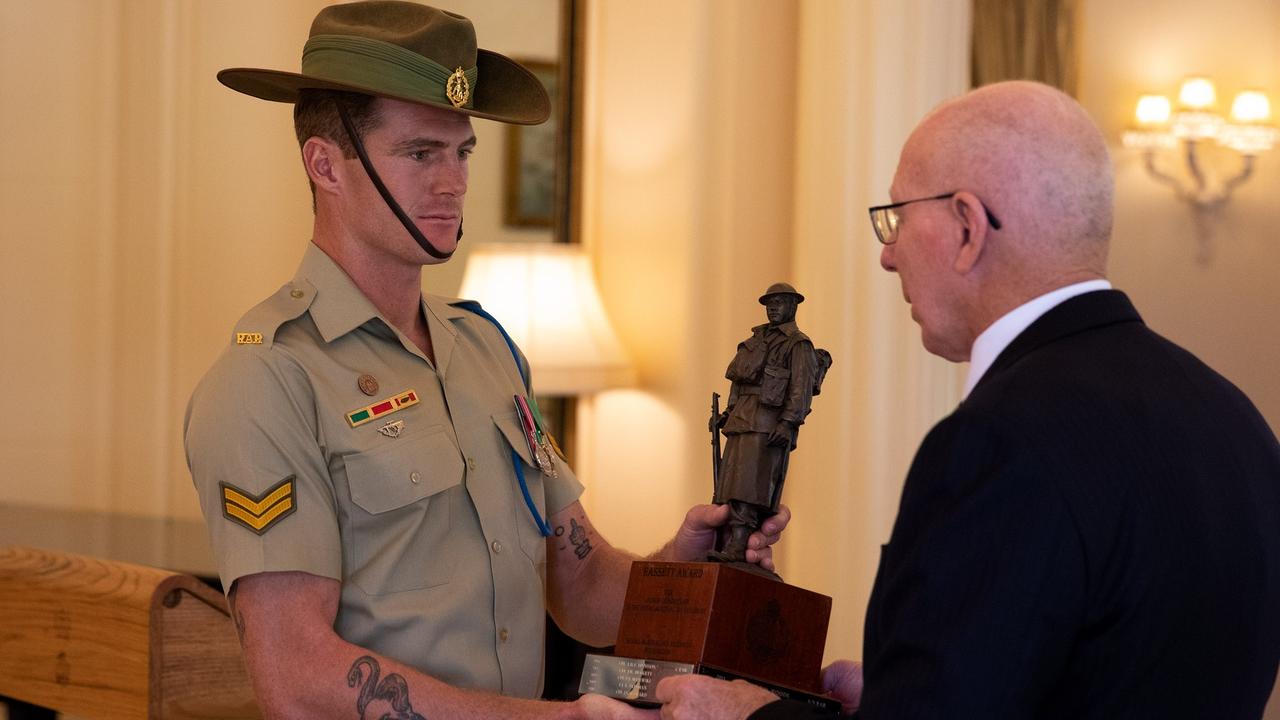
(259, 512)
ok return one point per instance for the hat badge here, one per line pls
(457, 89)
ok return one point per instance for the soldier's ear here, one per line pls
(320, 157)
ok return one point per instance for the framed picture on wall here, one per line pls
(530, 173)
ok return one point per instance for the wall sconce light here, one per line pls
(1195, 124)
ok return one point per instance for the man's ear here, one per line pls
(320, 157)
(976, 230)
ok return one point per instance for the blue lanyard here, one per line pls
(516, 463)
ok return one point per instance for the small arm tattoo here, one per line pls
(578, 536)
(390, 697)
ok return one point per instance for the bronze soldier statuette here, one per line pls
(774, 375)
(728, 618)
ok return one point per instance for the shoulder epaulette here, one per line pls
(259, 325)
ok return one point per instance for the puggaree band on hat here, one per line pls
(403, 51)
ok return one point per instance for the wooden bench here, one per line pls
(104, 639)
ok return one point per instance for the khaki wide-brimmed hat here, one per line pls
(781, 289)
(404, 51)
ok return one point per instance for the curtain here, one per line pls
(1025, 40)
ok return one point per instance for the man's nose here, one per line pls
(451, 178)
(886, 258)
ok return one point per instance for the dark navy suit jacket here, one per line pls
(1093, 533)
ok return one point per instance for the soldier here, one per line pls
(391, 522)
(775, 375)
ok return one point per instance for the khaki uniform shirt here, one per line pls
(415, 509)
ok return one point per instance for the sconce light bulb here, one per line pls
(1152, 110)
(1251, 106)
(1197, 93)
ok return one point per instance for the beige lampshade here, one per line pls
(545, 295)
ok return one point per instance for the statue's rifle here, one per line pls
(714, 426)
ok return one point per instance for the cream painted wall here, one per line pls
(59, 154)
(1224, 309)
(146, 208)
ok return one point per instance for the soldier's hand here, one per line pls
(718, 421)
(697, 534)
(759, 545)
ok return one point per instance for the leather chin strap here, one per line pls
(408, 224)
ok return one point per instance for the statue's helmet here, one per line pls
(781, 289)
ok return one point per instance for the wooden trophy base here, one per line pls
(718, 620)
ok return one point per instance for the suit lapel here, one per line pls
(1081, 313)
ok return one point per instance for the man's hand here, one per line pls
(599, 706)
(697, 535)
(698, 697)
(842, 680)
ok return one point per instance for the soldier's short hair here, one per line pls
(316, 115)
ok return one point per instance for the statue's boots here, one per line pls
(735, 549)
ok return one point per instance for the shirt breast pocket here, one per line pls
(404, 494)
(531, 540)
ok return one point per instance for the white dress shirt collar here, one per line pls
(988, 346)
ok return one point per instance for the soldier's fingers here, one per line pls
(777, 523)
(761, 540)
(764, 558)
(702, 517)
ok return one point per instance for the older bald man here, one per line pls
(1095, 531)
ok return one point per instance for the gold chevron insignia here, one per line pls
(260, 512)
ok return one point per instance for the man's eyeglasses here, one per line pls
(885, 218)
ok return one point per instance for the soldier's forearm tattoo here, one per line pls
(392, 691)
(578, 536)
